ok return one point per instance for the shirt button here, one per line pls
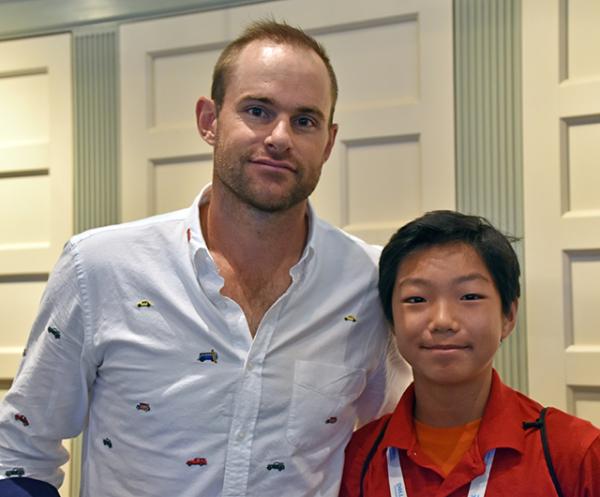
(241, 435)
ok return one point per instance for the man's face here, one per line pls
(272, 133)
(448, 316)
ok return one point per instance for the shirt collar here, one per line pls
(501, 410)
(197, 244)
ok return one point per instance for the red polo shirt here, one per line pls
(518, 469)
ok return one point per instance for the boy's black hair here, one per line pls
(444, 227)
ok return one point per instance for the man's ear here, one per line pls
(206, 119)
(333, 129)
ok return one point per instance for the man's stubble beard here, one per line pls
(231, 173)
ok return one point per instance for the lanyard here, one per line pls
(396, 479)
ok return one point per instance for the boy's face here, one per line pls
(448, 318)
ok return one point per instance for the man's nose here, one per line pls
(280, 137)
(443, 317)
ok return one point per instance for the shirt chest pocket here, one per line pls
(322, 404)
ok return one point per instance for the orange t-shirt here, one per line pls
(446, 446)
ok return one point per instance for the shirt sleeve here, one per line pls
(385, 385)
(48, 400)
(588, 482)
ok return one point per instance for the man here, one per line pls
(228, 349)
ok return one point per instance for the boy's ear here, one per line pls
(206, 119)
(509, 320)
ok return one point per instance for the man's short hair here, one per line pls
(446, 227)
(278, 32)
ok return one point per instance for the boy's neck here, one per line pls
(451, 404)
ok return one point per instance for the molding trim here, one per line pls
(489, 151)
(36, 17)
(96, 109)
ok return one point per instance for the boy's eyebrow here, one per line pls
(428, 282)
(269, 101)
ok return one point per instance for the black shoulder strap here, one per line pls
(370, 455)
(541, 424)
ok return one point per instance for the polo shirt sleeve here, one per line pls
(48, 400)
(588, 480)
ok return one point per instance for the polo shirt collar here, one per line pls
(501, 424)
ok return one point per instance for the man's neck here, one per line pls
(254, 252)
(247, 237)
(447, 405)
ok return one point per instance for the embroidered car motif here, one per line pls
(278, 465)
(143, 406)
(331, 420)
(208, 356)
(197, 461)
(15, 472)
(144, 303)
(54, 331)
(350, 318)
(107, 442)
(22, 418)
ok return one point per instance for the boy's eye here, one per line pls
(413, 300)
(471, 296)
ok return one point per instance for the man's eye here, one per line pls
(413, 300)
(306, 122)
(256, 112)
(471, 296)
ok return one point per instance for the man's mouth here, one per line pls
(272, 163)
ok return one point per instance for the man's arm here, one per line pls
(48, 400)
(385, 385)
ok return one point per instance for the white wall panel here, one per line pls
(372, 203)
(392, 75)
(583, 175)
(584, 280)
(582, 37)
(177, 80)
(29, 200)
(176, 184)
(24, 98)
(561, 105)
(586, 404)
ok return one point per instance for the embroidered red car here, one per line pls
(197, 461)
(143, 406)
(22, 418)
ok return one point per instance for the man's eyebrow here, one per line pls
(264, 100)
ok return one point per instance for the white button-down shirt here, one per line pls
(135, 344)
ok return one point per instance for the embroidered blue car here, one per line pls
(15, 472)
(54, 331)
(208, 356)
(278, 465)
